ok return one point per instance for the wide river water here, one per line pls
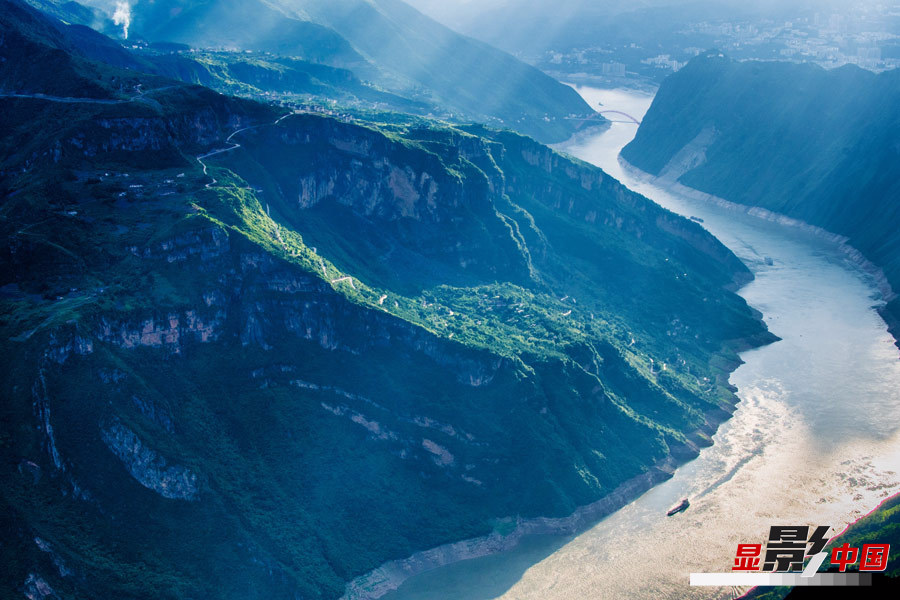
(815, 439)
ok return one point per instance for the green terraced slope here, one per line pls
(332, 344)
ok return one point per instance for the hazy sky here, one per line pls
(469, 15)
(470, 7)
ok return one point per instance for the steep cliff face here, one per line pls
(815, 145)
(618, 207)
(331, 346)
(147, 467)
(154, 130)
(342, 398)
(392, 205)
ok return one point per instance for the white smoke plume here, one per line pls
(122, 16)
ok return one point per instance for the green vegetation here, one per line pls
(262, 74)
(356, 340)
(242, 25)
(565, 397)
(882, 526)
(43, 55)
(816, 145)
(383, 42)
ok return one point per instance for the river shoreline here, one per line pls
(391, 575)
(852, 254)
(819, 406)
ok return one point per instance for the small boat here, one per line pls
(681, 506)
(693, 218)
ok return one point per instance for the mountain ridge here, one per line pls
(819, 153)
(386, 42)
(223, 386)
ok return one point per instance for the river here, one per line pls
(815, 439)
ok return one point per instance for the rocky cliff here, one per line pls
(797, 141)
(329, 346)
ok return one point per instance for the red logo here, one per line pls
(788, 546)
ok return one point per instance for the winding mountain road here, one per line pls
(73, 100)
(140, 96)
(234, 145)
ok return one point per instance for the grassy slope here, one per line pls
(392, 44)
(543, 418)
(111, 231)
(260, 75)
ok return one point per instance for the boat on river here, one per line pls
(681, 506)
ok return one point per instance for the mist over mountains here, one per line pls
(294, 289)
(259, 348)
(385, 42)
(619, 44)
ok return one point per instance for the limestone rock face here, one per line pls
(149, 468)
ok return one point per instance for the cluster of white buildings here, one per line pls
(866, 34)
(831, 40)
